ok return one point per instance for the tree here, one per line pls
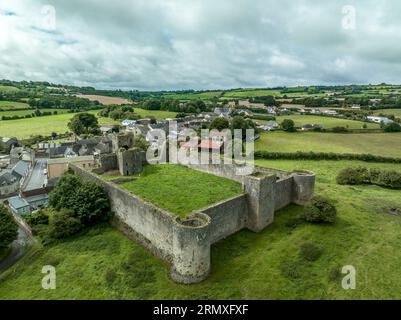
(83, 123)
(288, 125)
(63, 224)
(239, 122)
(220, 124)
(61, 197)
(8, 227)
(87, 200)
(320, 210)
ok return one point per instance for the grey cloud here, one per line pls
(200, 44)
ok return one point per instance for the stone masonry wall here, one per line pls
(283, 194)
(185, 242)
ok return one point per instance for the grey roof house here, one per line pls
(19, 205)
(9, 183)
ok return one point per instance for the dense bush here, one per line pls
(360, 175)
(310, 251)
(288, 125)
(339, 130)
(63, 224)
(323, 156)
(353, 176)
(292, 269)
(392, 127)
(37, 218)
(320, 210)
(8, 227)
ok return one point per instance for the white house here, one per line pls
(383, 120)
(128, 123)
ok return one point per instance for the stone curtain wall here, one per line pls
(283, 193)
(162, 232)
(185, 243)
(227, 217)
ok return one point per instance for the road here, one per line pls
(37, 178)
(18, 249)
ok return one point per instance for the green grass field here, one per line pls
(103, 264)
(395, 112)
(179, 189)
(13, 105)
(193, 96)
(8, 88)
(154, 113)
(327, 122)
(24, 128)
(26, 112)
(251, 93)
(382, 144)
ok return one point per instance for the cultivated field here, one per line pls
(327, 122)
(104, 99)
(179, 189)
(104, 264)
(381, 144)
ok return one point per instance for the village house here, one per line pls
(210, 146)
(21, 153)
(330, 112)
(377, 119)
(191, 145)
(4, 161)
(9, 184)
(9, 143)
(19, 205)
(128, 123)
(310, 127)
(271, 110)
(269, 126)
(11, 179)
(106, 129)
(56, 167)
(223, 112)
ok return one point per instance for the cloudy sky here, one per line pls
(200, 44)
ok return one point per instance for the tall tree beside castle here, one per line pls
(8, 228)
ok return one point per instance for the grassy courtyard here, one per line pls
(103, 264)
(179, 189)
(382, 144)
